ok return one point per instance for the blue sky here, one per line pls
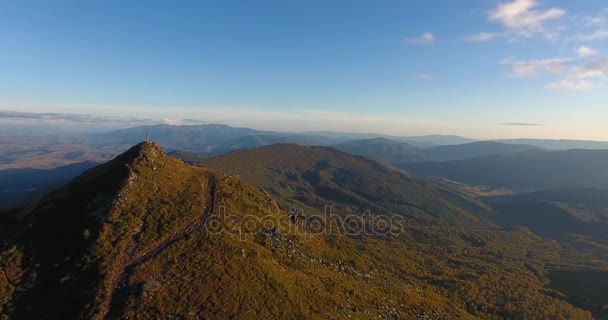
(484, 69)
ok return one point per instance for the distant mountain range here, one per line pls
(438, 139)
(212, 138)
(415, 141)
(560, 144)
(260, 140)
(385, 149)
(216, 138)
(527, 171)
(475, 149)
(195, 137)
(396, 152)
(192, 143)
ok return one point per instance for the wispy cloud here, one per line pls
(480, 37)
(185, 121)
(594, 69)
(597, 20)
(524, 18)
(596, 35)
(592, 28)
(583, 77)
(523, 124)
(424, 39)
(424, 76)
(571, 74)
(584, 51)
(55, 117)
(571, 84)
(193, 121)
(530, 68)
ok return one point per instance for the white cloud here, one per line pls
(173, 122)
(585, 73)
(586, 51)
(530, 68)
(424, 76)
(591, 70)
(597, 20)
(597, 35)
(583, 77)
(425, 38)
(523, 19)
(570, 74)
(571, 84)
(480, 37)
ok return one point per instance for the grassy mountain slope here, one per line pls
(492, 273)
(578, 217)
(315, 176)
(557, 213)
(146, 236)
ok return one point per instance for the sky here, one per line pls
(479, 68)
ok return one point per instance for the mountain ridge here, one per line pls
(318, 174)
(147, 236)
(475, 149)
(385, 149)
(122, 222)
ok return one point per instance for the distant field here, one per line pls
(49, 152)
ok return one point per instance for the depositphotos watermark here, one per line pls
(297, 222)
